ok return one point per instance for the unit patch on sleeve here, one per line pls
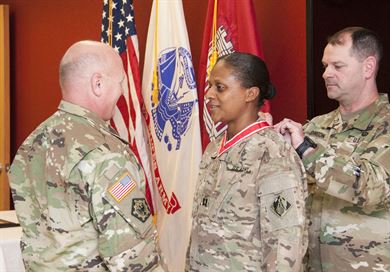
(140, 209)
(280, 206)
(122, 187)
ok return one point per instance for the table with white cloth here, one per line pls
(10, 233)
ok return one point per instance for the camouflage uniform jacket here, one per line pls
(72, 216)
(249, 207)
(349, 184)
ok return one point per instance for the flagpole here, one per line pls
(155, 83)
(155, 76)
(214, 51)
(109, 34)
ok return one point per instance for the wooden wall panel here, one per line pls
(4, 108)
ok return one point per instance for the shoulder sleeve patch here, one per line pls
(120, 189)
(280, 206)
(140, 209)
(127, 199)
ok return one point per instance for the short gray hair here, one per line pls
(365, 42)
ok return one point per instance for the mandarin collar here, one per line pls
(90, 116)
(362, 120)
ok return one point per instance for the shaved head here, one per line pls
(90, 71)
(82, 59)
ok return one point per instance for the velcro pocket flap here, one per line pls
(276, 183)
(277, 196)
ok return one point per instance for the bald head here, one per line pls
(88, 72)
(81, 60)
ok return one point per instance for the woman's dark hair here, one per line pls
(251, 71)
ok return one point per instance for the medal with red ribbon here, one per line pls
(242, 135)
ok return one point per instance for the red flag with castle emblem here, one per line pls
(230, 26)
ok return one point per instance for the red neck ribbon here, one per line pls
(242, 135)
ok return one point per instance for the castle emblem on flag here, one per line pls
(122, 187)
(224, 44)
(177, 96)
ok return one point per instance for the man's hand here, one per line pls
(291, 131)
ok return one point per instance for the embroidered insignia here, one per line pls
(175, 96)
(280, 206)
(140, 209)
(122, 187)
(205, 201)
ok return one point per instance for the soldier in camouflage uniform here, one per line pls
(347, 157)
(78, 189)
(249, 207)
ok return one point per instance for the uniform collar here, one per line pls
(360, 121)
(90, 116)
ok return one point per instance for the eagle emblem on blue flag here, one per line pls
(176, 96)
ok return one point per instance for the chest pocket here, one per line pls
(217, 202)
(230, 176)
(221, 178)
(345, 142)
(125, 197)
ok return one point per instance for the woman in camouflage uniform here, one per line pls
(249, 207)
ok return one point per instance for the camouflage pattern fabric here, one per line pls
(249, 208)
(79, 196)
(349, 184)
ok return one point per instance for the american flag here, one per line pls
(122, 187)
(118, 30)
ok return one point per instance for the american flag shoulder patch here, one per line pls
(120, 189)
